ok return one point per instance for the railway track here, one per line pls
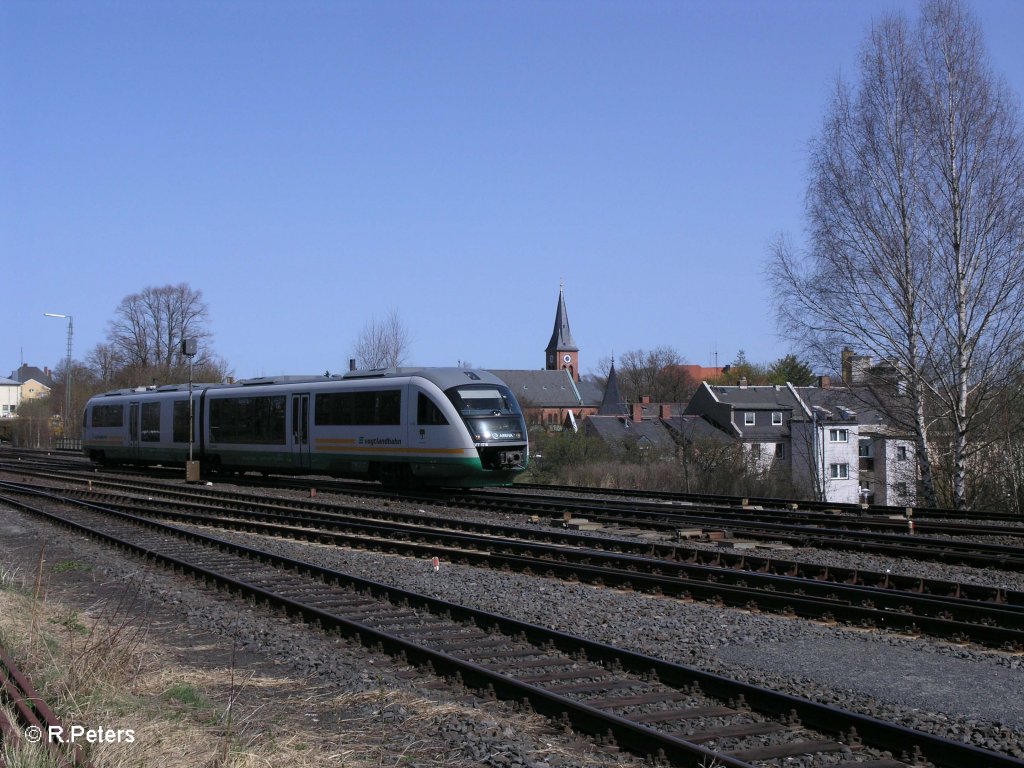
(668, 511)
(641, 703)
(803, 506)
(989, 616)
(669, 523)
(842, 534)
(33, 719)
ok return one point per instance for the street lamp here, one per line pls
(67, 373)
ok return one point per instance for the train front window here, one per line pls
(491, 413)
(483, 401)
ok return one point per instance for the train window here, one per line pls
(151, 422)
(346, 409)
(108, 415)
(481, 400)
(428, 413)
(253, 420)
(180, 421)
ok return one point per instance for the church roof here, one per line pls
(561, 336)
(613, 404)
(549, 389)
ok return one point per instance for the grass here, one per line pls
(103, 667)
(71, 565)
(187, 694)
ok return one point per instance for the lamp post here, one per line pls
(67, 373)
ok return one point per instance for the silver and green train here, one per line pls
(432, 426)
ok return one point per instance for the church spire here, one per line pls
(612, 404)
(562, 351)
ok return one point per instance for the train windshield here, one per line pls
(490, 412)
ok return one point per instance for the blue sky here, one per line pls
(310, 165)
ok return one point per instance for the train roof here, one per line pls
(444, 378)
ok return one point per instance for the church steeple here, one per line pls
(562, 352)
(613, 404)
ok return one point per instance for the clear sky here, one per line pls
(308, 165)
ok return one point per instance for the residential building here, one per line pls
(757, 417)
(834, 443)
(33, 381)
(10, 398)
(885, 455)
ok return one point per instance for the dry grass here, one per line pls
(104, 668)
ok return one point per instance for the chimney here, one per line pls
(638, 412)
(824, 382)
(351, 363)
(645, 399)
(666, 411)
(743, 382)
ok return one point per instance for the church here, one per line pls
(555, 397)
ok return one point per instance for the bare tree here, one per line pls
(144, 338)
(973, 206)
(644, 372)
(890, 270)
(104, 361)
(382, 344)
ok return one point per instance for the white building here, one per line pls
(834, 443)
(860, 456)
(10, 398)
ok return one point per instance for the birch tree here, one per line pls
(914, 208)
(861, 284)
(973, 207)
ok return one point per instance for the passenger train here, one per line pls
(432, 426)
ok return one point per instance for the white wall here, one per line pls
(10, 395)
(892, 472)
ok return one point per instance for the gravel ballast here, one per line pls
(962, 692)
(920, 682)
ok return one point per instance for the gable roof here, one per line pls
(616, 431)
(723, 406)
(862, 404)
(29, 372)
(550, 389)
(691, 428)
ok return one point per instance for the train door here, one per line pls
(431, 424)
(134, 417)
(300, 430)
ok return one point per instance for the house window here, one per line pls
(901, 453)
(839, 435)
(776, 418)
(901, 489)
(864, 450)
(748, 418)
(780, 450)
(839, 471)
(755, 450)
